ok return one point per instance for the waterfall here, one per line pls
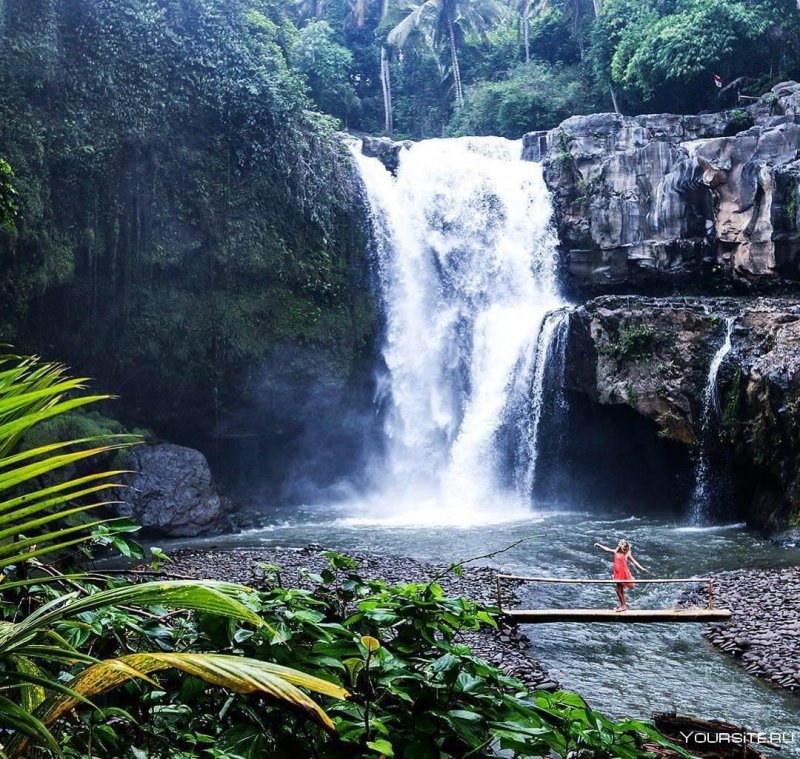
(466, 262)
(547, 396)
(705, 492)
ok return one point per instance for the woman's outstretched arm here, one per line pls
(603, 548)
(638, 565)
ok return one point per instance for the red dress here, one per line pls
(621, 569)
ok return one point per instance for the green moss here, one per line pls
(731, 408)
(791, 207)
(633, 343)
(78, 425)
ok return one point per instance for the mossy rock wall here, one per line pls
(184, 218)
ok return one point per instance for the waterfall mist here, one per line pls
(466, 260)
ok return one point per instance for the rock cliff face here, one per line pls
(664, 202)
(653, 355)
(195, 244)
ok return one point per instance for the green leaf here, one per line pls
(381, 746)
(245, 741)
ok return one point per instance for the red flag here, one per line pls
(718, 80)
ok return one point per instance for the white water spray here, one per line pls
(549, 351)
(703, 476)
(467, 266)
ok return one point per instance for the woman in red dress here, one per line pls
(622, 554)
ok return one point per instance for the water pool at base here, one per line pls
(623, 670)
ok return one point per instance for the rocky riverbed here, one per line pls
(764, 633)
(506, 647)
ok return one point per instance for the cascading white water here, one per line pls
(550, 350)
(467, 267)
(703, 476)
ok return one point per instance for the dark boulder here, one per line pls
(171, 493)
(386, 150)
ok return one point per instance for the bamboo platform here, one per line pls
(686, 614)
(690, 614)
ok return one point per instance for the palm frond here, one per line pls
(212, 597)
(32, 391)
(232, 672)
(417, 19)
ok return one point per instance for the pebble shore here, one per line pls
(506, 647)
(764, 631)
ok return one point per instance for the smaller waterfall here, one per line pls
(546, 382)
(706, 488)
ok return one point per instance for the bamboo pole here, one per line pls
(689, 614)
(586, 614)
(592, 581)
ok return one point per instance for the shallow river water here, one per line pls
(633, 670)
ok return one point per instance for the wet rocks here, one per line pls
(764, 632)
(170, 492)
(653, 355)
(663, 200)
(506, 647)
(386, 150)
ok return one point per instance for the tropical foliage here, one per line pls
(435, 66)
(416, 689)
(534, 96)
(46, 668)
(663, 55)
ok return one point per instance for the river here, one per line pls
(635, 670)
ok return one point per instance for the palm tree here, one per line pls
(386, 78)
(386, 88)
(526, 9)
(445, 22)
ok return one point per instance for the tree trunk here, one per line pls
(526, 30)
(386, 86)
(613, 98)
(598, 6)
(451, 34)
(576, 32)
(386, 79)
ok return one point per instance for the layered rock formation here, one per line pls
(653, 355)
(662, 202)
